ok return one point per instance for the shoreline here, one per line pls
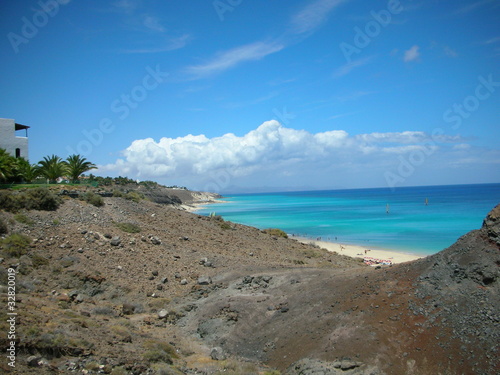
(371, 255)
(199, 205)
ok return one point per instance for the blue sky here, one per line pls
(237, 94)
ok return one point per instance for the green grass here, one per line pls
(15, 245)
(275, 232)
(128, 227)
(23, 219)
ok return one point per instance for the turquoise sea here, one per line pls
(360, 217)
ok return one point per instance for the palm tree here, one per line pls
(52, 167)
(26, 171)
(78, 165)
(6, 165)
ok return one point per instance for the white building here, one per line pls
(14, 138)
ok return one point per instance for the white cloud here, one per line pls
(127, 6)
(304, 21)
(170, 44)
(473, 6)
(448, 51)
(431, 148)
(407, 137)
(348, 67)
(412, 54)
(269, 150)
(462, 146)
(340, 115)
(313, 15)
(228, 59)
(153, 23)
(492, 40)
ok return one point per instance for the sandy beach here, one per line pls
(371, 255)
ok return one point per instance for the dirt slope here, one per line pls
(90, 294)
(439, 315)
(187, 294)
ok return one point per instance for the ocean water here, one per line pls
(360, 217)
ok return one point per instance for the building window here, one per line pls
(18, 152)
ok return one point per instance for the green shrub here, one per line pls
(39, 260)
(165, 369)
(119, 371)
(15, 245)
(42, 199)
(32, 332)
(311, 253)
(23, 219)
(58, 342)
(31, 199)
(93, 199)
(8, 201)
(117, 193)
(134, 196)
(225, 225)
(158, 351)
(120, 330)
(275, 232)
(128, 227)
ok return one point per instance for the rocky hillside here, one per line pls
(439, 315)
(142, 287)
(98, 288)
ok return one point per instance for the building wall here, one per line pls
(8, 139)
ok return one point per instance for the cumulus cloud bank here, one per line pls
(271, 150)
